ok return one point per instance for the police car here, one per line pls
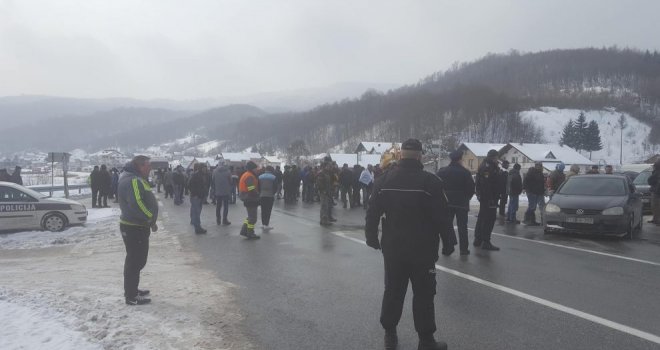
(22, 208)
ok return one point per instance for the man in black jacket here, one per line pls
(94, 183)
(459, 188)
(197, 186)
(534, 185)
(504, 179)
(357, 170)
(488, 186)
(346, 185)
(415, 209)
(514, 189)
(104, 186)
(654, 182)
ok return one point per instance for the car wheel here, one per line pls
(54, 222)
(631, 228)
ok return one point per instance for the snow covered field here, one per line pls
(65, 291)
(635, 146)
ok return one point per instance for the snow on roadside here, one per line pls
(70, 296)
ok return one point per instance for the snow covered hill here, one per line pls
(636, 147)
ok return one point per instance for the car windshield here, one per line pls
(594, 186)
(642, 178)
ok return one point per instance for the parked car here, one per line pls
(22, 209)
(643, 188)
(595, 204)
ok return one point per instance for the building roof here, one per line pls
(481, 149)
(272, 159)
(549, 153)
(239, 157)
(375, 147)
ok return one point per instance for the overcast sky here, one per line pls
(212, 48)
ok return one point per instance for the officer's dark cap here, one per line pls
(411, 145)
(251, 165)
(492, 153)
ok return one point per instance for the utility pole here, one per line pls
(622, 125)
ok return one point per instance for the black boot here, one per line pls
(428, 342)
(244, 230)
(251, 235)
(489, 246)
(532, 220)
(391, 339)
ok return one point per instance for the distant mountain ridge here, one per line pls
(480, 101)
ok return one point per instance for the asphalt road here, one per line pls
(303, 286)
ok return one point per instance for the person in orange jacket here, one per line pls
(248, 188)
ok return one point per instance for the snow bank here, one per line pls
(69, 295)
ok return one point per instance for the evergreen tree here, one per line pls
(594, 142)
(568, 135)
(580, 132)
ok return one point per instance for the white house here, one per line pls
(475, 153)
(375, 147)
(550, 154)
(239, 158)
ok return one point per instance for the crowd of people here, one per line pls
(254, 186)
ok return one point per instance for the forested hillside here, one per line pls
(478, 101)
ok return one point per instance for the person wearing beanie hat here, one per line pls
(459, 188)
(413, 208)
(248, 188)
(556, 177)
(488, 189)
(514, 189)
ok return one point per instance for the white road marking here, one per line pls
(577, 249)
(571, 311)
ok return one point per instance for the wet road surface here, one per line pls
(303, 286)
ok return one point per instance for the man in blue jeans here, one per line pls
(534, 185)
(221, 186)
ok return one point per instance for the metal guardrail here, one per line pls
(50, 189)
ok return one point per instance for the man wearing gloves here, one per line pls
(415, 213)
(139, 211)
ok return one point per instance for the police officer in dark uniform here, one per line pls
(415, 212)
(488, 192)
